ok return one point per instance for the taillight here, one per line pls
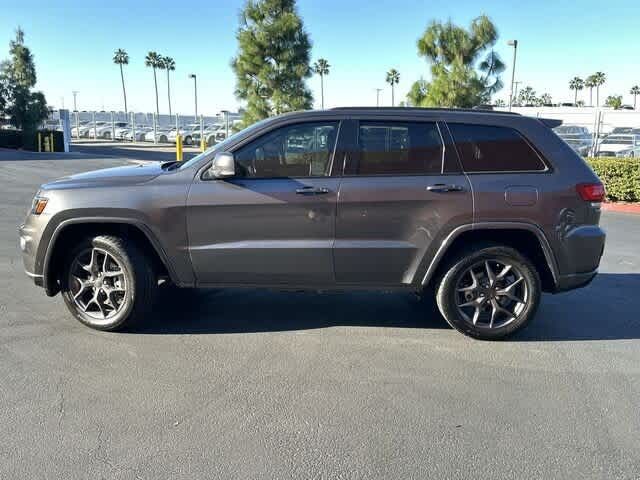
(591, 192)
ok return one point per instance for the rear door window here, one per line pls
(398, 148)
(485, 148)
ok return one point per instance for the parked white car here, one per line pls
(620, 146)
(162, 135)
(141, 131)
(82, 126)
(187, 133)
(104, 131)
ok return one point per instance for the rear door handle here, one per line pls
(312, 190)
(441, 187)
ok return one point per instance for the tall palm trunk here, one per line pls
(124, 91)
(393, 101)
(322, 90)
(169, 92)
(155, 81)
(634, 100)
(598, 95)
(575, 97)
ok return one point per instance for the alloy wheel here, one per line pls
(491, 294)
(98, 284)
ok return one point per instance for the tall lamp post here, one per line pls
(514, 44)
(195, 92)
(378, 90)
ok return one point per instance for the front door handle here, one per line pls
(312, 190)
(441, 187)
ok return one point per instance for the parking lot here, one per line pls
(253, 384)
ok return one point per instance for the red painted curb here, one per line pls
(622, 207)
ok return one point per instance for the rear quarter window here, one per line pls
(484, 148)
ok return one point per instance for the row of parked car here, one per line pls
(191, 134)
(620, 142)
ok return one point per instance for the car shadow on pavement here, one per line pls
(190, 311)
(608, 309)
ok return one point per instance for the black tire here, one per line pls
(138, 277)
(163, 139)
(106, 135)
(448, 300)
(211, 141)
(188, 140)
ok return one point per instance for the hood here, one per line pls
(614, 147)
(118, 176)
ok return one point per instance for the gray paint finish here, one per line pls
(364, 231)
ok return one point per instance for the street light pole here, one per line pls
(378, 90)
(195, 93)
(75, 94)
(514, 44)
(515, 93)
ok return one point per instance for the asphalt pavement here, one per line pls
(253, 384)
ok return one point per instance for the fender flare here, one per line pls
(155, 243)
(456, 232)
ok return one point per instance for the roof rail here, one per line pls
(424, 109)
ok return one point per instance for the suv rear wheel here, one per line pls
(489, 292)
(108, 283)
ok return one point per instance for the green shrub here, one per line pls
(621, 177)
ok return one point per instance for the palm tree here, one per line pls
(121, 57)
(154, 60)
(590, 83)
(599, 78)
(321, 67)
(576, 83)
(169, 65)
(393, 77)
(635, 91)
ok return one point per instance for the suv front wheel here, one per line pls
(489, 292)
(108, 282)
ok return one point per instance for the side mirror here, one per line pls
(223, 165)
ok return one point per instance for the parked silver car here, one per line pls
(577, 137)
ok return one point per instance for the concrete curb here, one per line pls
(620, 207)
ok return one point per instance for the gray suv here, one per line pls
(482, 210)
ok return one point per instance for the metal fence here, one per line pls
(593, 125)
(133, 126)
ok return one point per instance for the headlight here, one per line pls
(38, 205)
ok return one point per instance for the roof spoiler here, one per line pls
(551, 122)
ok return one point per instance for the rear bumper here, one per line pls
(574, 280)
(583, 249)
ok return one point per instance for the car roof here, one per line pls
(399, 111)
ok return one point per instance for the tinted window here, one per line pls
(494, 149)
(398, 148)
(302, 150)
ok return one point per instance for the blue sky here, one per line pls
(73, 43)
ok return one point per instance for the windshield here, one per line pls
(220, 147)
(619, 140)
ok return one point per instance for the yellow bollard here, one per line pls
(179, 148)
(51, 144)
(39, 143)
(203, 145)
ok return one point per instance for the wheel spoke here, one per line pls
(508, 291)
(113, 273)
(497, 308)
(504, 271)
(490, 274)
(474, 283)
(83, 286)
